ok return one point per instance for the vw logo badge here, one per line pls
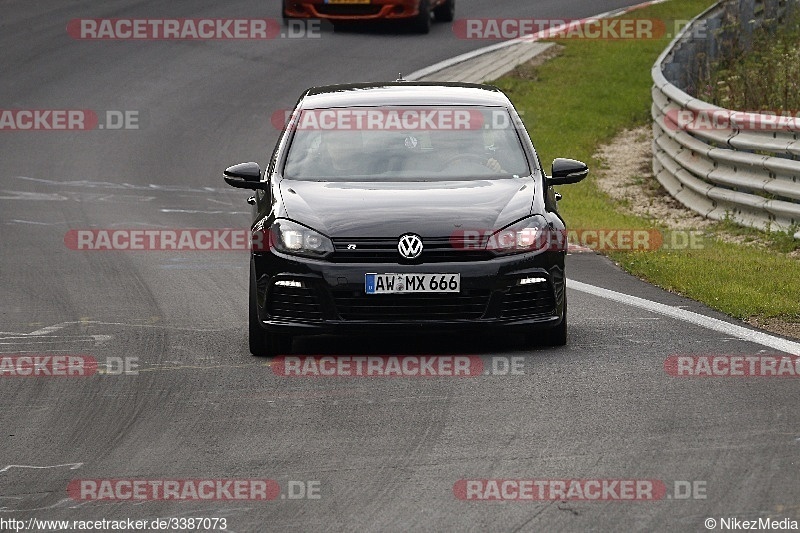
(410, 246)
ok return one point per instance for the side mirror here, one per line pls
(244, 176)
(566, 171)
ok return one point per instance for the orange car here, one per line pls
(416, 12)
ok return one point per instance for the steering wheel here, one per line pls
(466, 158)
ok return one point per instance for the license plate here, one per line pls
(348, 1)
(412, 283)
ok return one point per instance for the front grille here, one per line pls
(347, 9)
(468, 305)
(526, 301)
(295, 303)
(435, 250)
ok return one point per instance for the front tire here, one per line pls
(422, 22)
(556, 336)
(284, 17)
(445, 12)
(262, 342)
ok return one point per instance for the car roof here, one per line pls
(403, 93)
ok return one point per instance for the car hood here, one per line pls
(389, 209)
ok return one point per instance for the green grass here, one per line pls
(583, 98)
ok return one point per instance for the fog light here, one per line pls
(531, 281)
(289, 283)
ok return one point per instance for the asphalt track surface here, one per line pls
(386, 452)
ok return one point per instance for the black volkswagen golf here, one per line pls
(405, 206)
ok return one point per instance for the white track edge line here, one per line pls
(707, 322)
(447, 63)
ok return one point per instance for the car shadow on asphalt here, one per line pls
(413, 344)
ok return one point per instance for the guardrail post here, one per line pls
(772, 9)
(746, 16)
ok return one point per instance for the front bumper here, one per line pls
(332, 298)
(376, 9)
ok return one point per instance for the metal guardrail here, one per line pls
(729, 169)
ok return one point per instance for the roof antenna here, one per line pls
(400, 78)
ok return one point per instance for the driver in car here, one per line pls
(345, 151)
(467, 148)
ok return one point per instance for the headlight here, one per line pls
(530, 235)
(295, 239)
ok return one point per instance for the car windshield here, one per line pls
(404, 143)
